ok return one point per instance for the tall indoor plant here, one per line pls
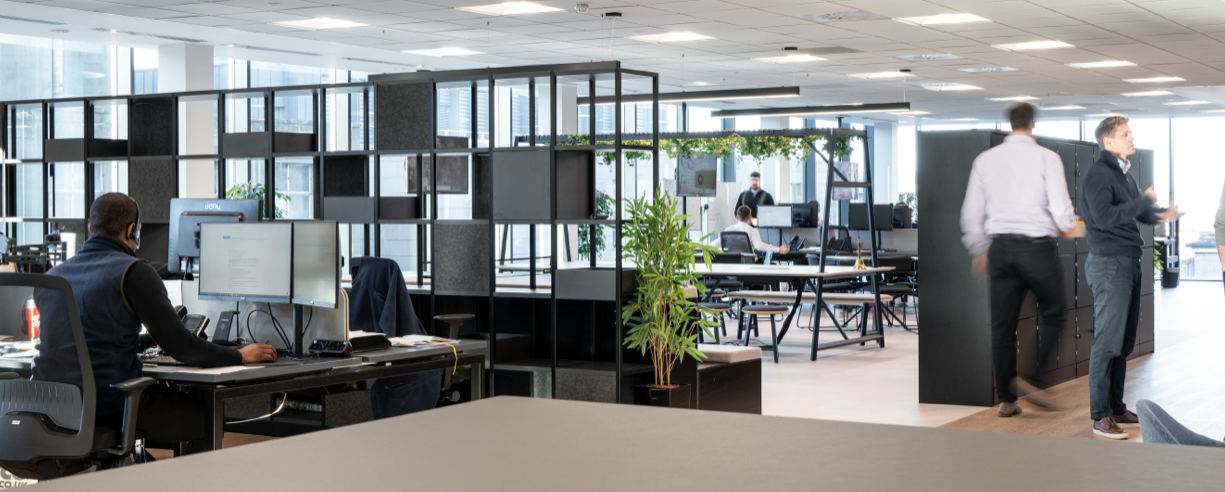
(661, 321)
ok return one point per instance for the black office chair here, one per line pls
(841, 241)
(736, 242)
(48, 427)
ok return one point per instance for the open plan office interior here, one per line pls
(557, 245)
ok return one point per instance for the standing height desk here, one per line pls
(801, 276)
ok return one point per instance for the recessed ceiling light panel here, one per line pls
(1013, 98)
(948, 86)
(671, 37)
(321, 24)
(1155, 80)
(883, 75)
(790, 59)
(441, 52)
(511, 8)
(935, 20)
(1147, 93)
(845, 16)
(1103, 64)
(1062, 108)
(1033, 45)
(1105, 115)
(1186, 103)
(987, 69)
(923, 58)
(911, 113)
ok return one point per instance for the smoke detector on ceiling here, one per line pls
(581, 7)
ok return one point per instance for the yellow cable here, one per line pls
(453, 352)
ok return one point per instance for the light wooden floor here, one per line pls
(1184, 375)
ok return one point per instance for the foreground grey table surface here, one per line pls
(513, 444)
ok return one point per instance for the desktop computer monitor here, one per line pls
(882, 215)
(316, 263)
(773, 216)
(246, 261)
(804, 214)
(187, 214)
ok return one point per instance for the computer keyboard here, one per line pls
(162, 360)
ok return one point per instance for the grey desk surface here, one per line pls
(792, 271)
(513, 444)
(285, 367)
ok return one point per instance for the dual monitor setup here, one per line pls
(805, 215)
(239, 258)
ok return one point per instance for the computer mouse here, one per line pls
(10, 350)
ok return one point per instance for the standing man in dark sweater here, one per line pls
(754, 196)
(1112, 204)
(116, 293)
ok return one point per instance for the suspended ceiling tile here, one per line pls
(210, 9)
(266, 17)
(152, 13)
(210, 21)
(266, 4)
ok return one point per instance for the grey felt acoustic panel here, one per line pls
(346, 175)
(152, 184)
(521, 184)
(461, 254)
(575, 184)
(403, 114)
(152, 129)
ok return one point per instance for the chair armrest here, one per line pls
(9, 375)
(131, 389)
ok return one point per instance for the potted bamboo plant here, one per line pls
(662, 321)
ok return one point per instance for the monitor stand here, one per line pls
(298, 331)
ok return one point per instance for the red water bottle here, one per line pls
(29, 319)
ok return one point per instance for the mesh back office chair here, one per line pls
(736, 242)
(47, 428)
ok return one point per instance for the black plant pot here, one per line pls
(678, 397)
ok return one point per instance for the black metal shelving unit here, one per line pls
(400, 118)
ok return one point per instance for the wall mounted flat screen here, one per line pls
(316, 263)
(246, 261)
(773, 216)
(697, 176)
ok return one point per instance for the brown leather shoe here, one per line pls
(1127, 419)
(1108, 429)
(1009, 408)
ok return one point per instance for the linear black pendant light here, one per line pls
(699, 95)
(845, 109)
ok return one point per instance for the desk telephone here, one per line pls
(796, 243)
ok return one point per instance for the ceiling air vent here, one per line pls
(274, 50)
(147, 35)
(36, 21)
(847, 16)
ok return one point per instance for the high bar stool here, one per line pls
(718, 308)
(767, 310)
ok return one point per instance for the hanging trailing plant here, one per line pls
(253, 190)
(755, 148)
(632, 157)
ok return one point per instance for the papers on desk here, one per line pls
(219, 370)
(419, 341)
(25, 354)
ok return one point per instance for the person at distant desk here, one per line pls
(754, 196)
(745, 215)
(116, 293)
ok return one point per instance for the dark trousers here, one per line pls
(1015, 265)
(166, 416)
(1115, 281)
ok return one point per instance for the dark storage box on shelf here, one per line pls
(107, 147)
(595, 284)
(255, 145)
(575, 184)
(350, 209)
(64, 150)
(399, 208)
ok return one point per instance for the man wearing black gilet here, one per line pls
(754, 196)
(1112, 205)
(116, 293)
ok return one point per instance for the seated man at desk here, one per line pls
(745, 216)
(116, 293)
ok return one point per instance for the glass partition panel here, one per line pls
(111, 119)
(28, 123)
(455, 113)
(110, 176)
(29, 190)
(68, 119)
(295, 187)
(67, 180)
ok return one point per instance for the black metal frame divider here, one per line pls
(373, 149)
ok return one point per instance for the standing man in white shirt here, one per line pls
(1016, 204)
(745, 215)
